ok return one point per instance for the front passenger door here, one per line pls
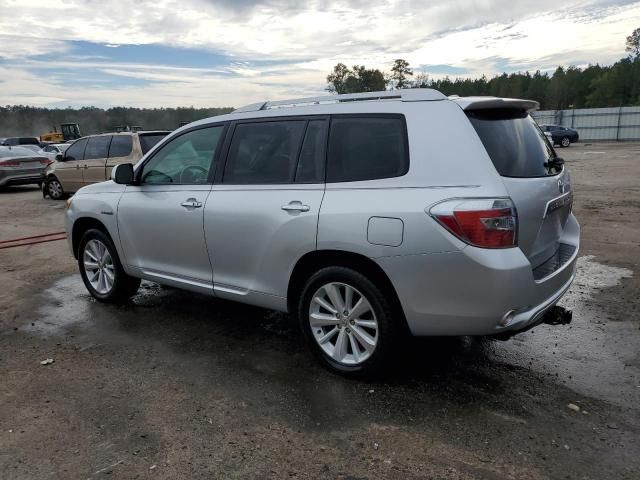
(69, 170)
(160, 219)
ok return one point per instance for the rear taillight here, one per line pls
(45, 161)
(9, 163)
(485, 223)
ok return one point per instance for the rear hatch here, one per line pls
(534, 177)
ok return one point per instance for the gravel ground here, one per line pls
(178, 385)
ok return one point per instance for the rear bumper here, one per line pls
(478, 291)
(19, 178)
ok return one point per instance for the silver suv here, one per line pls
(364, 215)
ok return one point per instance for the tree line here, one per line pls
(567, 87)
(21, 120)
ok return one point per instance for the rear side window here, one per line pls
(121, 146)
(367, 148)
(264, 152)
(98, 147)
(76, 151)
(148, 141)
(514, 142)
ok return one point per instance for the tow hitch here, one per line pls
(557, 316)
(554, 316)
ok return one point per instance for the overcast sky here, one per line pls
(233, 52)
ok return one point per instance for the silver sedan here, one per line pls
(21, 166)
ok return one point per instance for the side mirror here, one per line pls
(59, 158)
(122, 174)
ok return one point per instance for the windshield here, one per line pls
(516, 145)
(148, 141)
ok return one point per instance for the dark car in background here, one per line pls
(21, 166)
(563, 136)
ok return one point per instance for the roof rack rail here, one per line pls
(408, 95)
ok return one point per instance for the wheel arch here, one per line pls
(311, 262)
(80, 226)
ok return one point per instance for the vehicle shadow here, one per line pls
(13, 189)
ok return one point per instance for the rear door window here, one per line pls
(367, 148)
(264, 152)
(514, 142)
(121, 146)
(76, 151)
(98, 147)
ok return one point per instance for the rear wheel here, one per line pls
(54, 188)
(565, 142)
(346, 320)
(101, 270)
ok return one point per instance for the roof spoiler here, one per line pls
(483, 103)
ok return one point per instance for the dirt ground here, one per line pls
(177, 385)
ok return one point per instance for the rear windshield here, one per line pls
(514, 142)
(148, 141)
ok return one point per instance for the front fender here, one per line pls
(89, 209)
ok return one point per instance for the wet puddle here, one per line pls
(592, 355)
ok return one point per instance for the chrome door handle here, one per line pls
(295, 206)
(191, 203)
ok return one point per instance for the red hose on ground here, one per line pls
(33, 240)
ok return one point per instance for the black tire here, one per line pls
(388, 330)
(565, 142)
(54, 188)
(124, 286)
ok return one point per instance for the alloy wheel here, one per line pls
(55, 189)
(343, 323)
(98, 266)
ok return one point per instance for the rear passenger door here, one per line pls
(120, 151)
(95, 159)
(262, 214)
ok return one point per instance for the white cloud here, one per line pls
(481, 36)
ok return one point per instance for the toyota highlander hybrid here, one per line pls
(365, 216)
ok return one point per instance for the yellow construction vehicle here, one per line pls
(68, 131)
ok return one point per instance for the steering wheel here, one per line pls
(192, 174)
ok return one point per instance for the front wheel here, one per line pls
(565, 142)
(347, 321)
(101, 270)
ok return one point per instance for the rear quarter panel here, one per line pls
(446, 160)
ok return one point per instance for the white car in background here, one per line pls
(53, 149)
